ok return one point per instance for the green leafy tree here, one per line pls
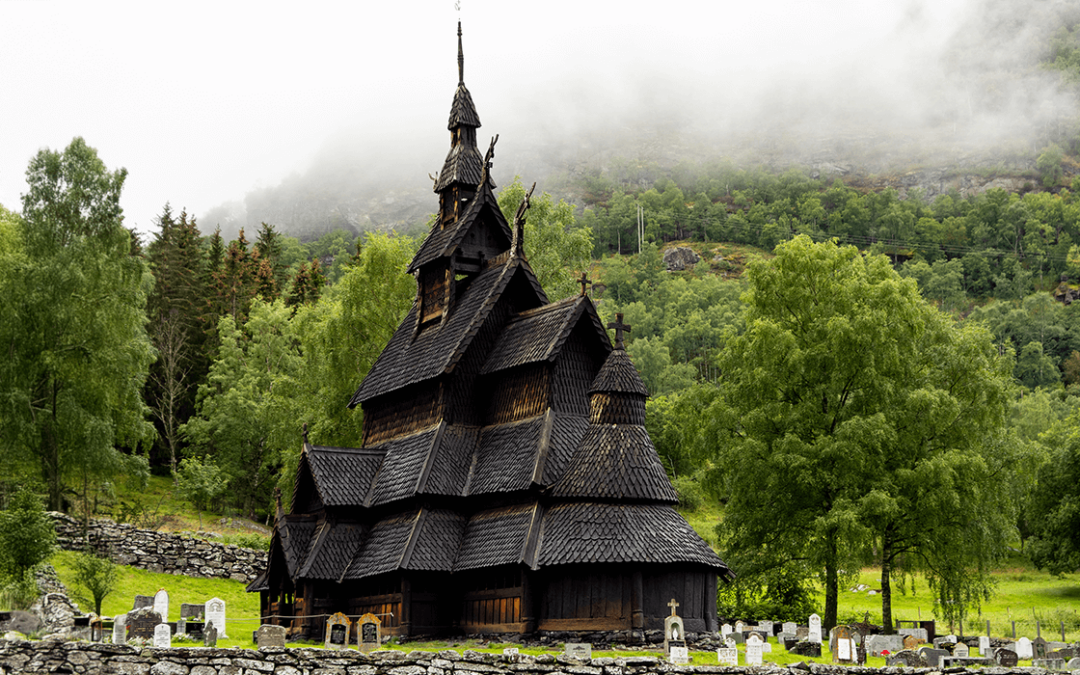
(27, 535)
(76, 352)
(1054, 509)
(845, 384)
(96, 576)
(201, 482)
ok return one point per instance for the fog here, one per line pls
(206, 103)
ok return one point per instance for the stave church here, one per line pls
(506, 482)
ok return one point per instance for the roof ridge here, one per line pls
(549, 307)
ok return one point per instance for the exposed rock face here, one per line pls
(161, 551)
(679, 258)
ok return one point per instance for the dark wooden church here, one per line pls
(506, 483)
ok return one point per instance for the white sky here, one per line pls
(203, 101)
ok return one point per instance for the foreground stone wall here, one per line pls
(161, 551)
(81, 657)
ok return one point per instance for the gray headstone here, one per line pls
(337, 631)
(875, 644)
(268, 636)
(143, 624)
(1006, 658)
(726, 630)
(143, 601)
(920, 633)
(210, 635)
(789, 627)
(119, 630)
(1073, 664)
(578, 650)
(1049, 664)
(215, 611)
(933, 656)
(905, 657)
(190, 610)
(766, 627)
(162, 636)
(961, 650)
(802, 632)
(729, 643)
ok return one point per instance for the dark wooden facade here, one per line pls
(506, 483)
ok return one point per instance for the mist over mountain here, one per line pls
(934, 86)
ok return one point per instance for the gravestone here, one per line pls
(162, 636)
(919, 633)
(933, 656)
(789, 627)
(142, 601)
(789, 641)
(740, 627)
(1073, 664)
(802, 632)
(725, 630)
(727, 656)
(766, 647)
(142, 625)
(781, 636)
(875, 644)
(119, 630)
(753, 650)
(215, 611)
(841, 645)
(766, 627)
(337, 631)
(1006, 658)
(1049, 663)
(190, 610)
(1023, 648)
(961, 650)
(984, 646)
(679, 656)
(578, 650)
(1038, 648)
(674, 635)
(369, 632)
(97, 630)
(1062, 652)
(814, 634)
(161, 604)
(267, 636)
(511, 655)
(907, 658)
(729, 642)
(210, 635)
(181, 627)
(910, 642)
(740, 638)
(806, 648)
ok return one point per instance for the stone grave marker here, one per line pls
(740, 638)
(766, 647)
(1006, 658)
(753, 650)
(919, 633)
(142, 625)
(679, 656)
(337, 631)
(766, 627)
(161, 604)
(578, 650)
(802, 633)
(511, 655)
(1038, 648)
(210, 635)
(215, 611)
(814, 634)
(875, 644)
(961, 650)
(910, 642)
(190, 610)
(267, 636)
(841, 645)
(789, 641)
(1023, 648)
(97, 629)
(368, 632)
(181, 627)
(933, 656)
(740, 627)
(674, 635)
(1062, 652)
(1073, 664)
(725, 630)
(142, 601)
(162, 636)
(728, 656)
(789, 627)
(119, 630)
(1049, 663)
(907, 658)
(729, 643)
(984, 646)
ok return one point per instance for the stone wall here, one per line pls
(161, 551)
(81, 657)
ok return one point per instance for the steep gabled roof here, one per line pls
(435, 541)
(585, 532)
(293, 533)
(539, 334)
(617, 462)
(502, 536)
(437, 349)
(618, 375)
(342, 475)
(451, 462)
(402, 471)
(384, 546)
(441, 242)
(331, 549)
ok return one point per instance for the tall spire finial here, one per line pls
(460, 56)
(517, 241)
(620, 328)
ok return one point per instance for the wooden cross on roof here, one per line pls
(672, 604)
(620, 328)
(584, 281)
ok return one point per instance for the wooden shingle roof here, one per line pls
(539, 334)
(293, 533)
(383, 547)
(406, 361)
(445, 238)
(616, 462)
(435, 541)
(343, 475)
(499, 536)
(402, 470)
(590, 532)
(462, 111)
(331, 549)
(618, 375)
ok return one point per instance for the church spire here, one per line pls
(460, 57)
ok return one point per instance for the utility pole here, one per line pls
(640, 227)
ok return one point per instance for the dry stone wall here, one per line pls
(161, 551)
(80, 657)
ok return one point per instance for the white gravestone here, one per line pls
(1023, 648)
(119, 630)
(215, 611)
(679, 655)
(161, 604)
(961, 649)
(766, 647)
(725, 630)
(766, 627)
(727, 657)
(730, 643)
(789, 627)
(815, 629)
(753, 650)
(740, 626)
(162, 636)
(984, 646)
(843, 649)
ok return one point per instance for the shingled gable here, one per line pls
(336, 476)
(539, 334)
(446, 240)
